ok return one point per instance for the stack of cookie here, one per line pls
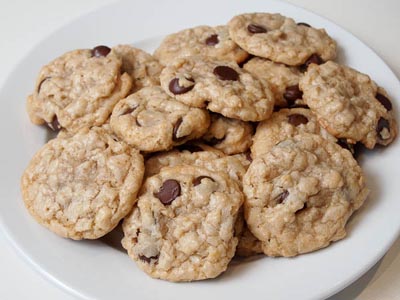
(234, 139)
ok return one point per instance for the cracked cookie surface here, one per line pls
(300, 195)
(80, 187)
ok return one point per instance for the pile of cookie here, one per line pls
(228, 140)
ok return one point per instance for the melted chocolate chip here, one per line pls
(147, 259)
(303, 24)
(297, 119)
(313, 59)
(128, 110)
(168, 191)
(226, 73)
(212, 40)
(175, 138)
(54, 125)
(176, 89)
(281, 197)
(40, 84)
(292, 93)
(197, 180)
(382, 124)
(255, 28)
(100, 51)
(190, 147)
(384, 101)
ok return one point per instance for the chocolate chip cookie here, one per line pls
(280, 39)
(301, 193)
(349, 105)
(200, 40)
(231, 136)
(284, 124)
(152, 121)
(220, 86)
(78, 89)
(182, 227)
(283, 80)
(143, 68)
(80, 187)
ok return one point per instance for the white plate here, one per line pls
(100, 269)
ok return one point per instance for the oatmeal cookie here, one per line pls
(78, 89)
(152, 121)
(80, 187)
(349, 105)
(300, 195)
(182, 227)
(280, 39)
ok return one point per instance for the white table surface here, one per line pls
(23, 23)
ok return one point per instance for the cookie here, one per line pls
(152, 121)
(349, 105)
(284, 124)
(231, 136)
(280, 39)
(219, 86)
(78, 89)
(301, 193)
(182, 227)
(200, 40)
(143, 68)
(80, 187)
(283, 80)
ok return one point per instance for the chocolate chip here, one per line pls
(197, 180)
(292, 93)
(147, 259)
(255, 28)
(168, 191)
(128, 110)
(281, 197)
(176, 89)
(303, 24)
(226, 73)
(54, 125)
(40, 84)
(175, 137)
(190, 147)
(100, 51)
(382, 124)
(313, 59)
(297, 119)
(212, 40)
(384, 101)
